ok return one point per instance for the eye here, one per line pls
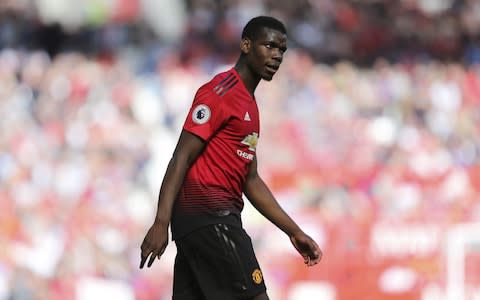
(269, 46)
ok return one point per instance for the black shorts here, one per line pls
(216, 262)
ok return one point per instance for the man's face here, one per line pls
(265, 53)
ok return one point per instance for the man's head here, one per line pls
(264, 41)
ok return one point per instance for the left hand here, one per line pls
(307, 248)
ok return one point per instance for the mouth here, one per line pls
(272, 68)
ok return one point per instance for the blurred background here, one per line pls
(370, 140)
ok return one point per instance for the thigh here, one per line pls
(223, 262)
(185, 286)
(262, 296)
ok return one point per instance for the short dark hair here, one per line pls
(254, 26)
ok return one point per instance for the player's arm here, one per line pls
(188, 148)
(263, 200)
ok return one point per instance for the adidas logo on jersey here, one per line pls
(247, 117)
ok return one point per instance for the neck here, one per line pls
(249, 78)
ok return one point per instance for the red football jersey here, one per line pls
(225, 115)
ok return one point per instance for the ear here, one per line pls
(245, 44)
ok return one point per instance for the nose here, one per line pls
(277, 54)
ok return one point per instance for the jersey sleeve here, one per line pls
(207, 114)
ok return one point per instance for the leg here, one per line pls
(185, 286)
(262, 296)
(223, 263)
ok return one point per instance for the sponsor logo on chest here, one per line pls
(251, 141)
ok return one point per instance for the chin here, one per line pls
(267, 77)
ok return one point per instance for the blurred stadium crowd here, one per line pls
(357, 30)
(378, 163)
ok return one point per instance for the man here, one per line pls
(213, 164)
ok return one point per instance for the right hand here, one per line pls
(154, 244)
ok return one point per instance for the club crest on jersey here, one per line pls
(257, 276)
(201, 114)
(251, 141)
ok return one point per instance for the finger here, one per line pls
(143, 246)
(314, 254)
(152, 258)
(319, 253)
(144, 259)
(314, 250)
(160, 252)
(315, 261)
(156, 254)
(162, 249)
